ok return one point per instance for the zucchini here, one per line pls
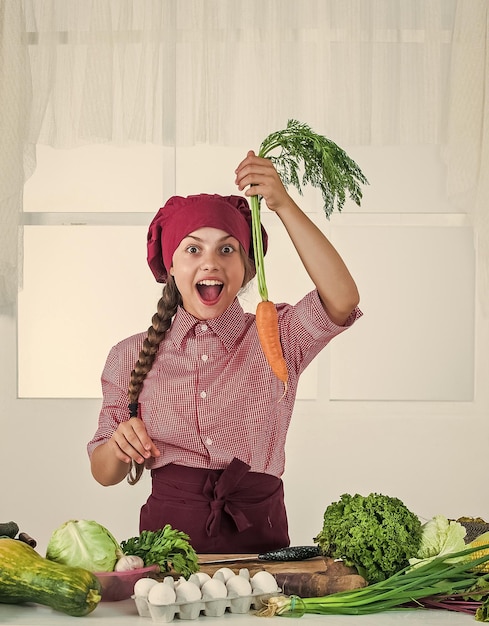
(26, 576)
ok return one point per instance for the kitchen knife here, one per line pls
(290, 553)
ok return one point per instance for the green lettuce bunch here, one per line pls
(377, 534)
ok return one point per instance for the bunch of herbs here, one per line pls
(169, 548)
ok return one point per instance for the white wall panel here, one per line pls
(416, 339)
(99, 291)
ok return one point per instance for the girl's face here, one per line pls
(208, 271)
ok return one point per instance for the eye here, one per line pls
(228, 249)
(192, 249)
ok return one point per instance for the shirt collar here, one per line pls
(228, 327)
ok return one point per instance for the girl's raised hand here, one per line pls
(261, 178)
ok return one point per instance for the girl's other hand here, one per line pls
(130, 442)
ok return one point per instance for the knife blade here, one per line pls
(290, 553)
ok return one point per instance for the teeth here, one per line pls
(209, 283)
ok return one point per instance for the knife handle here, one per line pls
(291, 553)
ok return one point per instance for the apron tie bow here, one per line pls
(220, 498)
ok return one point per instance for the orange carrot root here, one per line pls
(267, 327)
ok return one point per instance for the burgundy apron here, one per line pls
(222, 511)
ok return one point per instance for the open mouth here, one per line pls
(209, 290)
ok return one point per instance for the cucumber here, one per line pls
(26, 576)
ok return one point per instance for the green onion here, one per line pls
(441, 576)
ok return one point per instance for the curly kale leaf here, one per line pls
(377, 534)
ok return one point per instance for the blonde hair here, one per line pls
(160, 322)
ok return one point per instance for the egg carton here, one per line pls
(192, 610)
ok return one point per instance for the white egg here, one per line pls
(188, 592)
(244, 571)
(143, 585)
(224, 573)
(161, 594)
(238, 586)
(199, 578)
(214, 589)
(263, 582)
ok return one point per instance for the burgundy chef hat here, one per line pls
(181, 216)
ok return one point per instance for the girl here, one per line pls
(206, 413)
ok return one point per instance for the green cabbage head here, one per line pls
(440, 536)
(84, 543)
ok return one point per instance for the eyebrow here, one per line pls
(195, 238)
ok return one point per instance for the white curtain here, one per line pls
(102, 70)
(229, 72)
(16, 155)
(467, 147)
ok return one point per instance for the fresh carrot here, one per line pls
(266, 313)
(327, 167)
(267, 327)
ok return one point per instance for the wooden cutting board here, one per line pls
(319, 576)
(317, 564)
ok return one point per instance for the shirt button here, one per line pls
(203, 394)
(204, 357)
(203, 327)
(208, 441)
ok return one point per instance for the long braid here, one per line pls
(160, 323)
